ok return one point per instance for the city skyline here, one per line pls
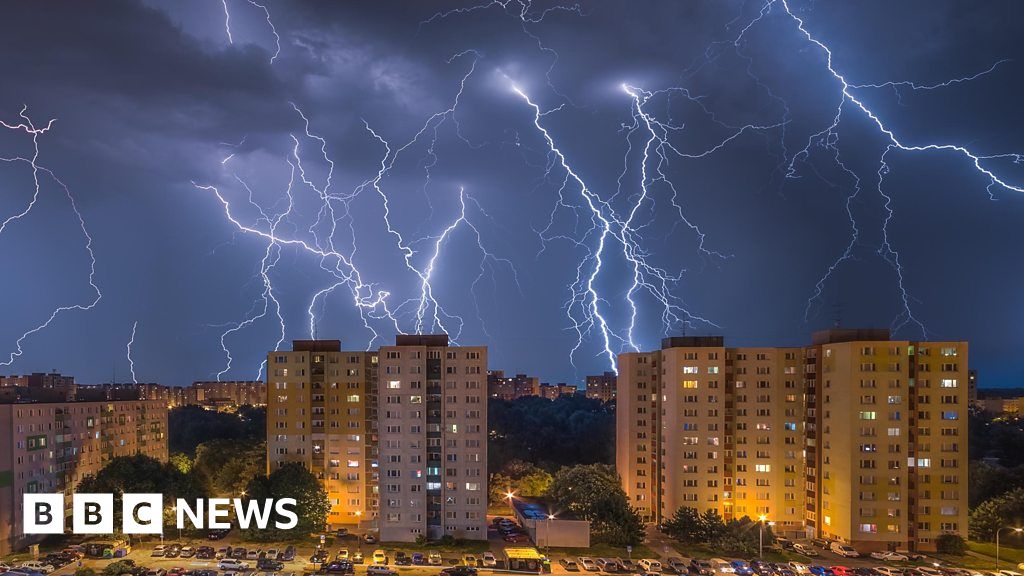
(208, 182)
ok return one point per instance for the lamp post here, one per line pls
(1015, 529)
(547, 531)
(510, 495)
(760, 535)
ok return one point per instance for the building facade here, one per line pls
(856, 438)
(513, 387)
(51, 446)
(433, 439)
(553, 391)
(601, 387)
(321, 412)
(226, 395)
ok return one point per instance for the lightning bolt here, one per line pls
(828, 139)
(131, 363)
(30, 128)
(584, 304)
(270, 24)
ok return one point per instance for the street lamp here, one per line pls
(760, 534)
(1015, 529)
(547, 531)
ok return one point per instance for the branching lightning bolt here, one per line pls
(270, 23)
(29, 128)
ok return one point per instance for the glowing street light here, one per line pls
(1015, 529)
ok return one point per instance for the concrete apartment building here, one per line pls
(512, 387)
(433, 439)
(855, 438)
(553, 391)
(50, 446)
(321, 412)
(226, 395)
(601, 387)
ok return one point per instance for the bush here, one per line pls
(951, 544)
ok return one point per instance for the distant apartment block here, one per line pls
(553, 391)
(855, 438)
(433, 439)
(601, 387)
(512, 387)
(50, 446)
(321, 412)
(226, 395)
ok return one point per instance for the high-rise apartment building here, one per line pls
(321, 412)
(553, 391)
(433, 439)
(601, 387)
(855, 438)
(50, 446)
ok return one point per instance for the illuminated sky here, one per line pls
(561, 183)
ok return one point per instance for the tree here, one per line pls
(142, 474)
(521, 478)
(190, 426)
(550, 433)
(118, 567)
(291, 480)
(227, 466)
(953, 544)
(182, 462)
(85, 572)
(989, 480)
(593, 492)
(684, 526)
(992, 514)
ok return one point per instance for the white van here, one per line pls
(650, 565)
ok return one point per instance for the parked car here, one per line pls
(864, 571)
(889, 556)
(607, 564)
(319, 557)
(369, 538)
(173, 551)
(516, 537)
(468, 560)
(569, 564)
(700, 567)
(288, 555)
(804, 549)
(158, 551)
(380, 557)
(649, 565)
(459, 571)
(783, 542)
(626, 565)
(741, 568)
(380, 570)
(187, 551)
(223, 553)
(232, 564)
(677, 564)
(238, 553)
(402, 559)
(588, 563)
(434, 558)
(37, 566)
(820, 543)
(488, 560)
(155, 572)
(273, 554)
(252, 555)
(887, 571)
(821, 571)
(342, 554)
(721, 566)
(269, 565)
(357, 557)
(339, 567)
(205, 553)
(418, 559)
(844, 550)
(842, 571)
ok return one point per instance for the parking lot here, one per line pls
(360, 553)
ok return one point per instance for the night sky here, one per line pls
(684, 170)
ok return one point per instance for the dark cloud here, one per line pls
(150, 97)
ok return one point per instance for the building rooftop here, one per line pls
(421, 340)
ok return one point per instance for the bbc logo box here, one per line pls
(92, 513)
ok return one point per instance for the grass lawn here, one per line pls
(1006, 553)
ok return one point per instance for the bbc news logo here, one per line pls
(143, 513)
